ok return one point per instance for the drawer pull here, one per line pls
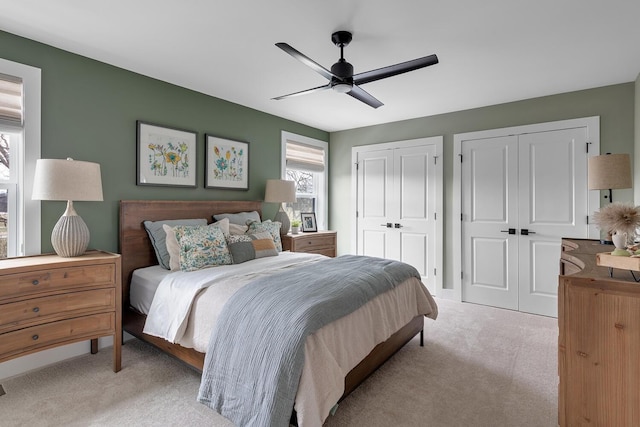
(35, 337)
(35, 282)
(36, 309)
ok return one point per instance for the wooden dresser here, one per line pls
(320, 242)
(48, 301)
(599, 340)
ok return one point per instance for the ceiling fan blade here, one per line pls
(306, 61)
(364, 96)
(394, 70)
(305, 92)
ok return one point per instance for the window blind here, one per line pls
(304, 157)
(10, 100)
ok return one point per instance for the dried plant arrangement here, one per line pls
(620, 217)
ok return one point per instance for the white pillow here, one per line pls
(235, 229)
(223, 224)
(172, 242)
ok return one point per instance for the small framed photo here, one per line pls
(227, 164)
(165, 156)
(309, 222)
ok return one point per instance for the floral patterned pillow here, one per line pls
(172, 243)
(157, 235)
(273, 227)
(201, 247)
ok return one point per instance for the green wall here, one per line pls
(89, 112)
(614, 105)
(636, 175)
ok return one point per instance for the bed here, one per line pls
(138, 253)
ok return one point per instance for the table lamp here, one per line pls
(281, 191)
(70, 180)
(608, 172)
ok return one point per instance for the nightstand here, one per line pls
(320, 242)
(47, 301)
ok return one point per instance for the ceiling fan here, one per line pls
(341, 77)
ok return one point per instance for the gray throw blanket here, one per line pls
(255, 356)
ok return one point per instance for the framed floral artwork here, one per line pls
(227, 164)
(166, 156)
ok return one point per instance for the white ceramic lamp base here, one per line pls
(283, 218)
(70, 236)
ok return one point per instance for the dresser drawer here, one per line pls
(45, 309)
(37, 281)
(330, 252)
(308, 244)
(76, 329)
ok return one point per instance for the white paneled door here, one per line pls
(520, 195)
(489, 226)
(396, 206)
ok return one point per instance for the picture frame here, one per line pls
(309, 223)
(166, 156)
(226, 163)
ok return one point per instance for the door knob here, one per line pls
(526, 232)
(510, 231)
(398, 225)
(388, 225)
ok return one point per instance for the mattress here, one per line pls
(144, 283)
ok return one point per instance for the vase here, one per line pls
(620, 242)
(295, 230)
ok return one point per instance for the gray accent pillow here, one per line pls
(239, 218)
(159, 237)
(251, 246)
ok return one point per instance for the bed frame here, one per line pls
(137, 252)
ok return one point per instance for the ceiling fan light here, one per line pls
(342, 87)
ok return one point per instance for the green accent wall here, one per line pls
(89, 112)
(614, 104)
(636, 175)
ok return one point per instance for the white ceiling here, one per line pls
(490, 51)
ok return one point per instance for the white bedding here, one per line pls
(186, 305)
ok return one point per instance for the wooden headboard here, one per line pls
(133, 241)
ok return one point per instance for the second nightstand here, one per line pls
(320, 242)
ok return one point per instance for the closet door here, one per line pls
(520, 195)
(552, 204)
(396, 206)
(376, 205)
(490, 221)
(415, 206)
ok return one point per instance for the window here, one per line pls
(19, 149)
(305, 162)
(8, 191)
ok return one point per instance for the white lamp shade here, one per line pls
(280, 191)
(59, 179)
(609, 171)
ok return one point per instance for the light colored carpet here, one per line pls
(480, 366)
